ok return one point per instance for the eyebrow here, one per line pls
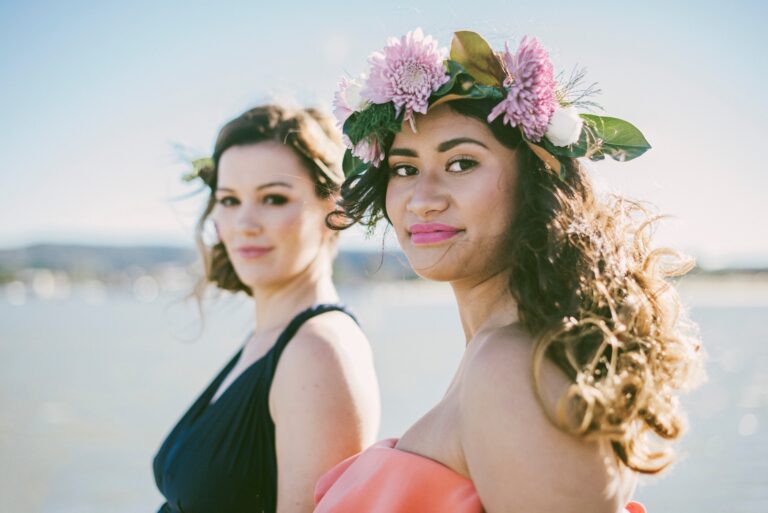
(447, 145)
(442, 147)
(403, 152)
(260, 187)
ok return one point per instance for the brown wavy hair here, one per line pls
(310, 133)
(593, 293)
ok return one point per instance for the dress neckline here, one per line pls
(211, 402)
(389, 444)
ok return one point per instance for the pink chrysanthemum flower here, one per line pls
(408, 71)
(530, 83)
(369, 150)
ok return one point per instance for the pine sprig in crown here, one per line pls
(412, 75)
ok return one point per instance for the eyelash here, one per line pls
(269, 199)
(276, 199)
(395, 170)
(227, 201)
(461, 158)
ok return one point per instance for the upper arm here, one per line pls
(320, 403)
(518, 460)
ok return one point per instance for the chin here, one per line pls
(252, 277)
(436, 267)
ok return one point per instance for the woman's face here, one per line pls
(267, 214)
(449, 195)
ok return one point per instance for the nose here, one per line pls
(247, 221)
(427, 196)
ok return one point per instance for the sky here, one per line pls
(97, 97)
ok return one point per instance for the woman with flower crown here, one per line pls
(576, 346)
(301, 393)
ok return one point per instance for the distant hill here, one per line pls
(91, 261)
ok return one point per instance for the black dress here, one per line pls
(220, 457)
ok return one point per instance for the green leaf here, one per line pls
(352, 165)
(603, 136)
(474, 92)
(462, 86)
(479, 92)
(453, 69)
(575, 150)
(614, 137)
(376, 120)
(476, 56)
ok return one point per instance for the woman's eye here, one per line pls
(228, 201)
(275, 199)
(403, 170)
(461, 164)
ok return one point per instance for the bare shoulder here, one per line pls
(326, 342)
(507, 437)
(501, 360)
(327, 369)
(324, 402)
(499, 354)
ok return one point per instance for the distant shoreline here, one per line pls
(121, 265)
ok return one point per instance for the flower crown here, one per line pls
(412, 75)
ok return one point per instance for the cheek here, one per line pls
(493, 221)
(393, 202)
(299, 225)
(492, 202)
(222, 222)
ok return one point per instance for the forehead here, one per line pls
(441, 124)
(263, 162)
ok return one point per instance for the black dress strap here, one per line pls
(290, 331)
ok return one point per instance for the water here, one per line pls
(90, 385)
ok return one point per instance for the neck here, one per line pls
(277, 304)
(485, 304)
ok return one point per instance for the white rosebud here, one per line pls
(564, 127)
(347, 99)
(354, 100)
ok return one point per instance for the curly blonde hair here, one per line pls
(605, 312)
(592, 292)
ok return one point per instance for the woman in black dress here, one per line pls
(301, 395)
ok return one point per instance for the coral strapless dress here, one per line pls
(383, 479)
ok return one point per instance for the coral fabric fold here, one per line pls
(383, 479)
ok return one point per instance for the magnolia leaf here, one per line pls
(453, 69)
(549, 160)
(483, 91)
(447, 98)
(614, 137)
(578, 149)
(475, 92)
(600, 137)
(476, 56)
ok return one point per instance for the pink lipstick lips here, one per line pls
(432, 233)
(252, 251)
